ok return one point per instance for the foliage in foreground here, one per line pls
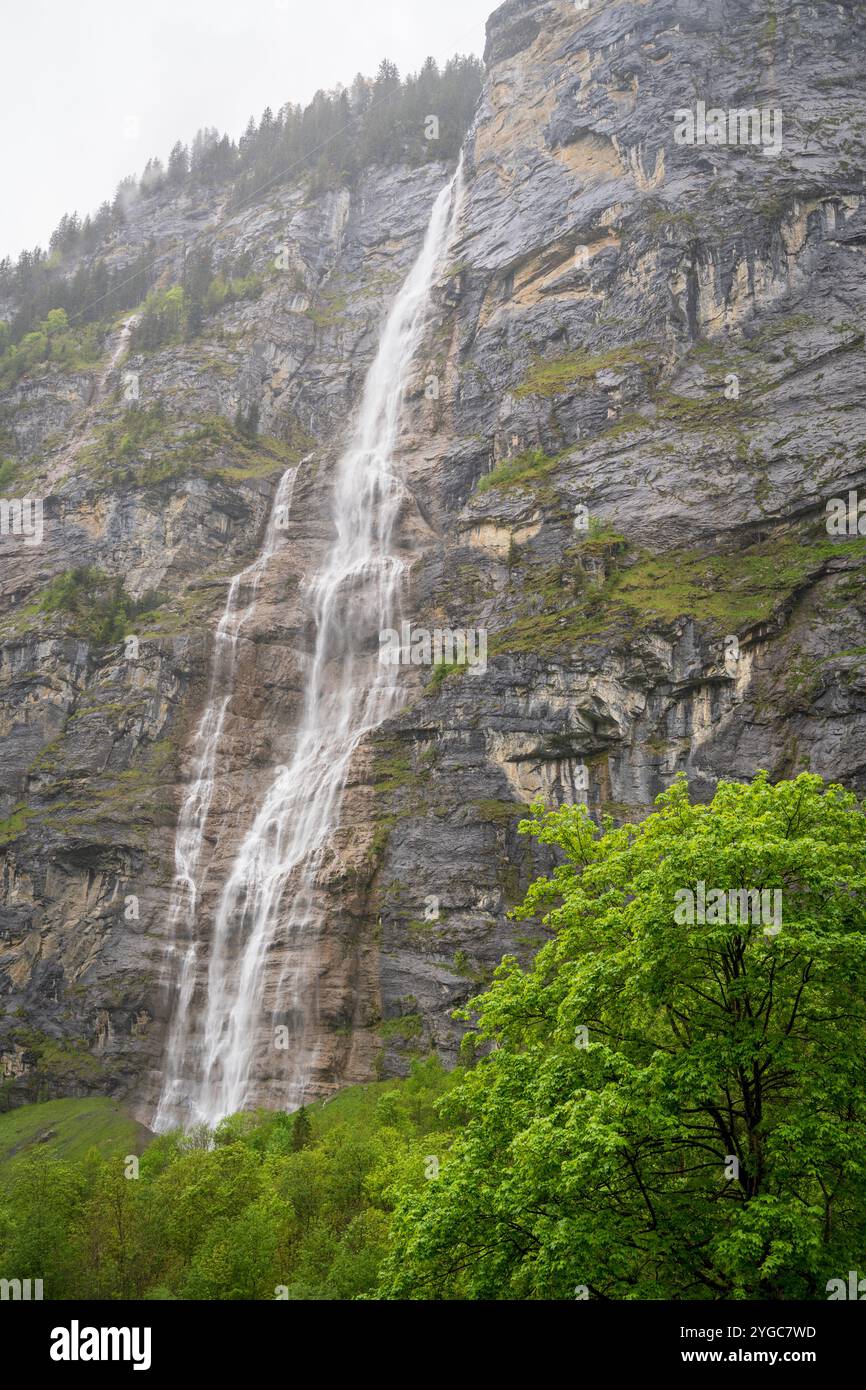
(295, 1203)
(600, 1163)
(665, 1110)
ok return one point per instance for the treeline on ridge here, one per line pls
(383, 120)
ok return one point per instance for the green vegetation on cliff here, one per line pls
(171, 316)
(148, 445)
(95, 605)
(51, 343)
(14, 824)
(729, 591)
(527, 468)
(557, 375)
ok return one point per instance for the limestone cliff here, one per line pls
(642, 381)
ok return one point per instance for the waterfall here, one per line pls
(183, 950)
(268, 898)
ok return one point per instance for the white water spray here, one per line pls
(192, 820)
(269, 897)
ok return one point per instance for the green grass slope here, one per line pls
(355, 1106)
(68, 1129)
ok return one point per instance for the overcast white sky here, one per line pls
(92, 88)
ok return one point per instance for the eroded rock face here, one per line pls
(641, 383)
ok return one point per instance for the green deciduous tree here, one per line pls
(668, 1111)
(302, 1130)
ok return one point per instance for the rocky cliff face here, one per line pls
(641, 383)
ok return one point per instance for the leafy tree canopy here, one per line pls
(668, 1110)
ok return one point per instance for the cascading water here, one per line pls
(269, 896)
(192, 820)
